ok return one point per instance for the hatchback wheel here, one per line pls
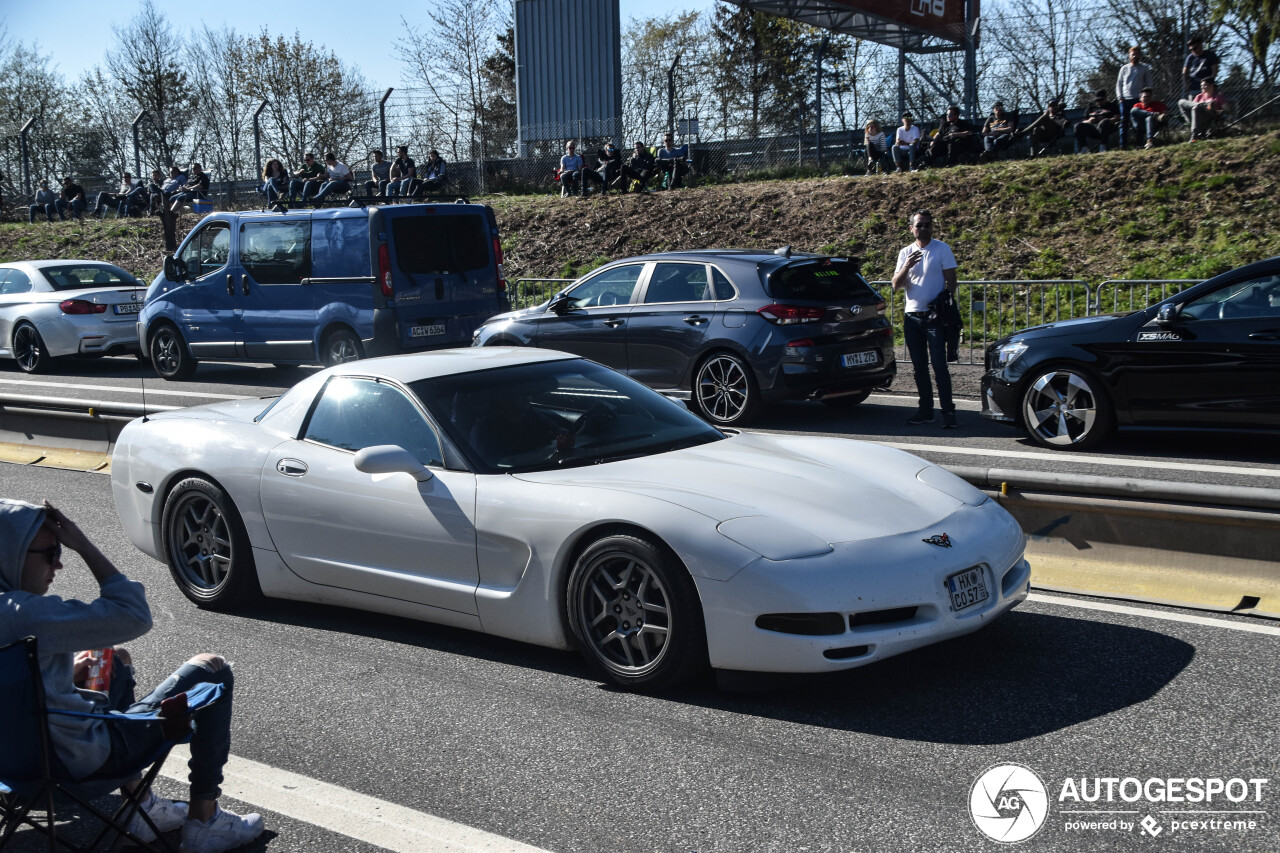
(1065, 408)
(725, 391)
(29, 349)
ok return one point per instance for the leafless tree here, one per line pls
(220, 67)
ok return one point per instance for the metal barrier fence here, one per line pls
(991, 308)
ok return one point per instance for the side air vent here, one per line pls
(882, 617)
(808, 624)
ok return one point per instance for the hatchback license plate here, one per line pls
(856, 359)
(426, 331)
(967, 588)
(128, 307)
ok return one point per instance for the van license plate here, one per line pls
(128, 307)
(967, 588)
(426, 331)
(855, 359)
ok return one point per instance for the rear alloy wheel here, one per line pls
(636, 614)
(170, 356)
(340, 346)
(29, 349)
(725, 391)
(1066, 409)
(206, 546)
(847, 401)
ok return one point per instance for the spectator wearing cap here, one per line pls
(1200, 65)
(71, 198)
(1133, 77)
(906, 144)
(45, 200)
(1047, 129)
(1100, 121)
(1149, 115)
(997, 132)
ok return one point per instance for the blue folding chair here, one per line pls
(31, 776)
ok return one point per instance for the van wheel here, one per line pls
(340, 346)
(169, 354)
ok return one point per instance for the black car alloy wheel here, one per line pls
(1066, 409)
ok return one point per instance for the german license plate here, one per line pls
(967, 588)
(128, 307)
(426, 331)
(856, 359)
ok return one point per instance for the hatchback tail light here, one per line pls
(384, 269)
(81, 306)
(789, 315)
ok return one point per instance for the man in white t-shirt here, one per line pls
(906, 144)
(339, 180)
(925, 269)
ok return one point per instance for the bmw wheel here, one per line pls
(636, 614)
(207, 547)
(1064, 408)
(29, 349)
(725, 391)
(169, 354)
(340, 346)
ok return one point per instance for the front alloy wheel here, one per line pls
(725, 391)
(169, 354)
(207, 548)
(1066, 409)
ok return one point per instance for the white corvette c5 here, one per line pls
(538, 496)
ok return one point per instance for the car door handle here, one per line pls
(695, 320)
(1265, 335)
(292, 467)
(614, 323)
(244, 283)
(231, 288)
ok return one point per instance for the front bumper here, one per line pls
(999, 399)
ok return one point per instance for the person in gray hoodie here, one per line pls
(31, 541)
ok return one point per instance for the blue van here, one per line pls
(324, 286)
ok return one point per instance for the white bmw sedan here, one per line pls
(542, 497)
(50, 309)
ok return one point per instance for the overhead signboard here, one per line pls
(917, 25)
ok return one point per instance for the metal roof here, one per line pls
(882, 21)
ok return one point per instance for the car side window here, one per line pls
(677, 283)
(208, 250)
(723, 287)
(275, 252)
(355, 413)
(612, 287)
(15, 282)
(1258, 297)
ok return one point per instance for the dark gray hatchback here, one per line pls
(728, 330)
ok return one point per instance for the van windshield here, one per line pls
(441, 244)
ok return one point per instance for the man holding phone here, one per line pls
(925, 269)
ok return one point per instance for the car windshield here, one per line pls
(82, 276)
(821, 281)
(557, 414)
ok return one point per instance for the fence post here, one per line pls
(817, 109)
(671, 94)
(26, 156)
(137, 143)
(257, 136)
(382, 118)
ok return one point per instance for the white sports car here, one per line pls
(49, 309)
(539, 496)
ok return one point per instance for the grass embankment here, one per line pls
(1183, 211)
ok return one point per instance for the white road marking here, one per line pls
(909, 401)
(348, 813)
(1248, 627)
(1113, 461)
(123, 389)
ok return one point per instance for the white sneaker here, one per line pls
(167, 815)
(224, 831)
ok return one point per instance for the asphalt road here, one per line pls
(1222, 458)
(523, 743)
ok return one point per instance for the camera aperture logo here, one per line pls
(1008, 803)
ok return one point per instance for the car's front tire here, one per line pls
(339, 347)
(206, 546)
(29, 349)
(169, 354)
(636, 614)
(725, 390)
(1066, 408)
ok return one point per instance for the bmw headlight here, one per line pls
(1009, 353)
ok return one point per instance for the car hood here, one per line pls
(837, 490)
(518, 314)
(1068, 327)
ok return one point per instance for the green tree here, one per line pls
(30, 89)
(499, 75)
(1256, 24)
(763, 71)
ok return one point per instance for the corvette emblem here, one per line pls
(942, 540)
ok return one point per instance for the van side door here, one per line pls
(206, 306)
(275, 257)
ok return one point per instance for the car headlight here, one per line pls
(1009, 353)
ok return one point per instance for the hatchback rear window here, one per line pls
(80, 276)
(441, 244)
(818, 282)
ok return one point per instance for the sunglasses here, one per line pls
(51, 554)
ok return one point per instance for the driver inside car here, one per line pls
(510, 426)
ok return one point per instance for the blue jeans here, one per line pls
(900, 154)
(49, 210)
(273, 189)
(298, 187)
(131, 744)
(1125, 106)
(331, 187)
(926, 344)
(76, 206)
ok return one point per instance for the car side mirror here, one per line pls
(559, 303)
(391, 459)
(1168, 315)
(175, 269)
